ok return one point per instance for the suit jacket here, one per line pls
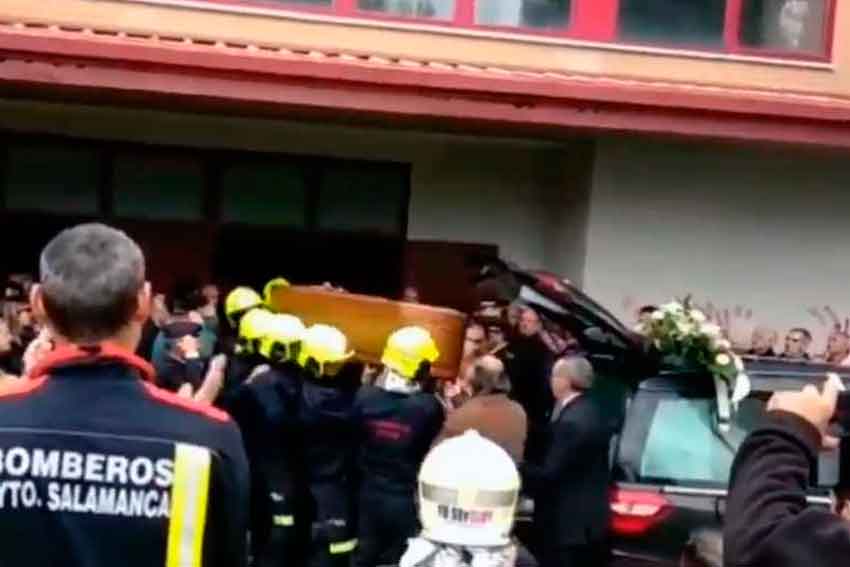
(495, 417)
(571, 485)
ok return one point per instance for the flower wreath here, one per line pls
(683, 333)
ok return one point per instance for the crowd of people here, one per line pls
(797, 344)
(138, 430)
(332, 447)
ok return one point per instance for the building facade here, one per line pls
(643, 148)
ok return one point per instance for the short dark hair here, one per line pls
(91, 276)
(475, 322)
(802, 331)
(184, 298)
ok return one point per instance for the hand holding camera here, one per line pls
(817, 407)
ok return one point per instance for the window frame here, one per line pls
(141, 151)
(595, 21)
(733, 44)
(214, 161)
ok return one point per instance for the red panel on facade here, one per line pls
(732, 27)
(595, 19)
(465, 13)
(266, 80)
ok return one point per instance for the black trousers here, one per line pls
(386, 522)
(277, 520)
(332, 538)
(588, 555)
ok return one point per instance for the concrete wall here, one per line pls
(525, 196)
(764, 229)
(532, 204)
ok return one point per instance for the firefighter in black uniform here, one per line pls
(236, 304)
(98, 466)
(397, 421)
(245, 359)
(272, 395)
(241, 359)
(327, 396)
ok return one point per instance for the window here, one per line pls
(436, 9)
(675, 440)
(523, 13)
(685, 445)
(158, 187)
(785, 25)
(673, 22)
(264, 193)
(58, 179)
(362, 196)
(798, 29)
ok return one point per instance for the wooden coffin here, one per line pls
(367, 321)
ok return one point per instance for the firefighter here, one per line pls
(238, 303)
(106, 468)
(468, 490)
(269, 289)
(246, 351)
(330, 382)
(277, 514)
(257, 408)
(398, 422)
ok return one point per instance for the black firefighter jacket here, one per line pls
(100, 468)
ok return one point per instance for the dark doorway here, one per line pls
(211, 215)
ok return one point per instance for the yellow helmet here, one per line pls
(325, 345)
(283, 339)
(468, 492)
(270, 287)
(253, 326)
(407, 349)
(239, 301)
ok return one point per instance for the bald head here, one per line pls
(571, 374)
(487, 376)
(763, 341)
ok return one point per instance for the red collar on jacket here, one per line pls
(76, 355)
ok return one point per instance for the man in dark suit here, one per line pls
(570, 485)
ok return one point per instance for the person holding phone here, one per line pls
(769, 522)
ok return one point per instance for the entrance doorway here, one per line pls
(211, 215)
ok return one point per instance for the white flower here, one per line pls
(657, 315)
(698, 316)
(685, 328)
(672, 307)
(723, 344)
(723, 359)
(739, 364)
(711, 330)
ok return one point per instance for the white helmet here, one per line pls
(468, 490)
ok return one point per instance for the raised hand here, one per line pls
(40, 347)
(814, 406)
(212, 384)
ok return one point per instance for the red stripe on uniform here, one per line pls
(173, 399)
(75, 355)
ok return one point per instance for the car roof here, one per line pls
(766, 375)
